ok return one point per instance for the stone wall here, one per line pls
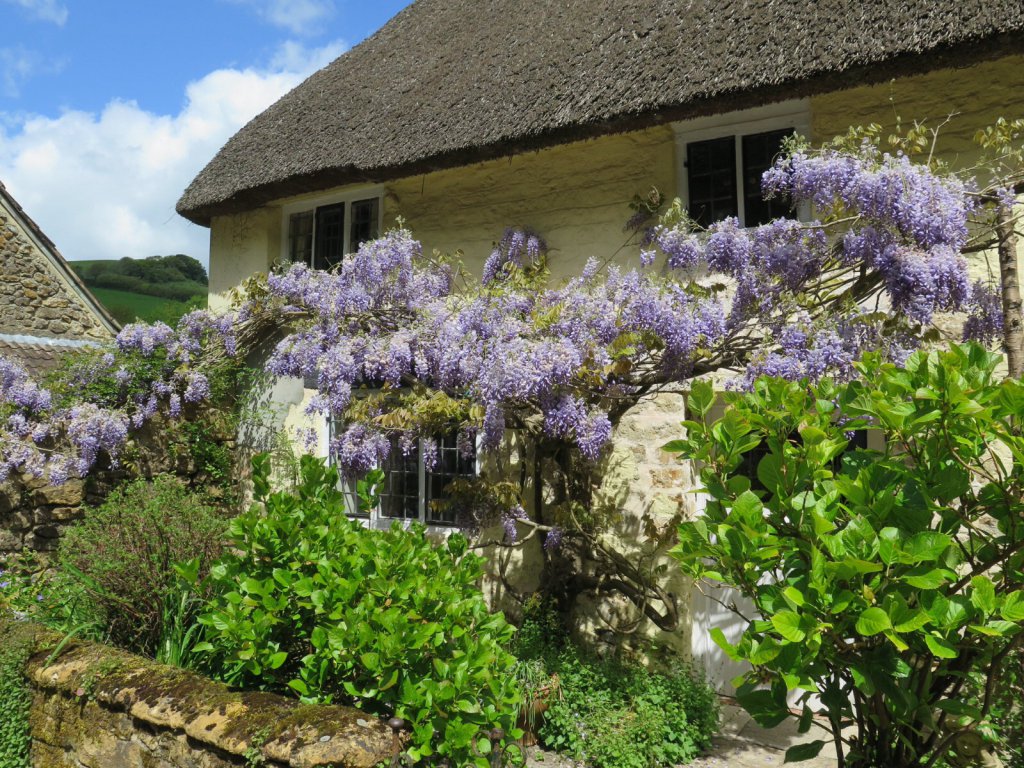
(33, 514)
(36, 299)
(98, 707)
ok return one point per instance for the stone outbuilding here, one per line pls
(45, 309)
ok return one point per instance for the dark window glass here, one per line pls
(451, 465)
(300, 236)
(759, 152)
(330, 235)
(400, 497)
(711, 175)
(365, 215)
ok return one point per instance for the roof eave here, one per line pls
(904, 65)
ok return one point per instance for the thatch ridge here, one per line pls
(450, 82)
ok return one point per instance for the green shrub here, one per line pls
(310, 601)
(30, 589)
(615, 713)
(124, 554)
(15, 699)
(889, 580)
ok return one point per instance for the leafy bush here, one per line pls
(888, 579)
(124, 554)
(615, 713)
(310, 601)
(29, 589)
(15, 698)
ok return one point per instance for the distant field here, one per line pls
(128, 307)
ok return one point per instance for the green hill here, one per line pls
(150, 289)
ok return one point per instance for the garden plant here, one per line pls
(404, 346)
(887, 582)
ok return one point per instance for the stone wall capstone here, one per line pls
(95, 707)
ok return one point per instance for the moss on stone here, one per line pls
(282, 730)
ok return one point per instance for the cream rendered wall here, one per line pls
(971, 98)
(577, 196)
(241, 246)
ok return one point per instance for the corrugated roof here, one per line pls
(449, 82)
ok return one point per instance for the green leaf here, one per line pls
(930, 579)
(940, 647)
(873, 621)
(787, 624)
(702, 397)
(1013, 607)
(766, 707)
(983, 594)
(926, 546)
(801, 752)
(794, 596)
(277, 659)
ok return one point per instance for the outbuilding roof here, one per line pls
(451, 82)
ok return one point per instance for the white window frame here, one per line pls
(794, 114)
(376, 520)
(311, 204)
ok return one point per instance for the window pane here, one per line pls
(759, 152)
(330, 235)
(400, 496)
(365, 215)
(300, 237)
(451, 465)
(711, 175)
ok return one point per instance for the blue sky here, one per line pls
(108, 108)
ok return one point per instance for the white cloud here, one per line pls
(44, 10)
(104, 185)
(18, 64)
(301, 17)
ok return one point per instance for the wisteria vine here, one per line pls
(789, 298)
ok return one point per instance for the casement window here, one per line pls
(722, 159)
(321, 235)
(410, 489)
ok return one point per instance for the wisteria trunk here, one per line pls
(1013, 323)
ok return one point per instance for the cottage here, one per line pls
(45, 309)
(464, 118)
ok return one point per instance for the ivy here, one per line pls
(15, 699)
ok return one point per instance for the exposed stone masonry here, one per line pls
(98, 707)
(35, 299)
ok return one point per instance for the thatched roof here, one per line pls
(450, 82)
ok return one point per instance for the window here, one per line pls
(724, 177)
(721, 159)
(321, 236)
(410, 489)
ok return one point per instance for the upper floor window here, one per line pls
(321, 235)
(723, 157)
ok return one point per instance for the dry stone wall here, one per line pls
(34, 514)
(98, 707)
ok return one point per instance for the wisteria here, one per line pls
(801, 299)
